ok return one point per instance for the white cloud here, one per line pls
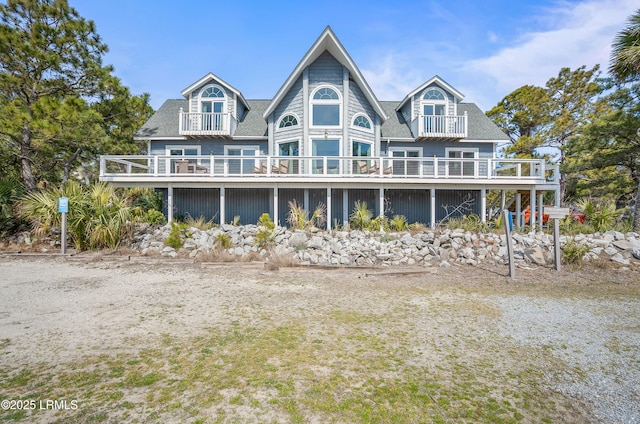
(581, 35)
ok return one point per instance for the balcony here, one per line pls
(442, 126)
(201, 124)
(301, 169)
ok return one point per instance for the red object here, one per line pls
(527, 215)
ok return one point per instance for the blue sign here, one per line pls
(63, 204)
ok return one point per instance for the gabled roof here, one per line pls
(212, 77)
(442, 83)
(329, 42)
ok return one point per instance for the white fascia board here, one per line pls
(327, 41)
(213, 77)
(458, 95)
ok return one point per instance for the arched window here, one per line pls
(326, 107)
(434, 108)
(288, 121)
(362, 121)
(212, 102)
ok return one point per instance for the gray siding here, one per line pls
(417, 104)
(195, 97)
(325, 70)
(415, 205)
(451, 198)
(194, 202)
(292, 103)
(248, 204)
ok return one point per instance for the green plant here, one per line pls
(224, 241)
(265, 236)
(98, 216)
(200, 223)
(361, 216)
(602, 215)
(298, 218)
(155, 217)
(399, 223)
(236, 221)
(11, 190)
(145, 198)
(175, 236)
(378, 223)
(573, 253)
(468, 223)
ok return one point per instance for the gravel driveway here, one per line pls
(556, 347)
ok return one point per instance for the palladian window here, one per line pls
(288, 121)
(362, 121)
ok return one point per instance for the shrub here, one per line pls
(98, 217)
(573, 253)
(175, 236)
(11, 190)
(399, 223)
(601, 215)
(200, 223)
(223, 241)
(144, 198)
(468, 223)
(265, 236)
(155, 217)
(298, 218)
(361, 216)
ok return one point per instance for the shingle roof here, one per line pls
(164, 123)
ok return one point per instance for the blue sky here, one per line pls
(484, 48)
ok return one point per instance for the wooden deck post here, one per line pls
(222, 206)
(483, 205)
(541, 209)
(275, 205)
(170, 203)
(532, 210)
(432, 206)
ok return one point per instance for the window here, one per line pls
(362, 121)
(434, 109)
(212, 108)
(361, 149)
(288, 121)
(325, 147)
(246, 161)
(289, 148)
(464, 167)
(406, 166)
(182, 151)
(325, 108)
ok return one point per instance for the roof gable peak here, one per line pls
(433, 80)
(211, 77)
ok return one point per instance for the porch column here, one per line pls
(275, 205)
(532, 210)
(541, 209)
(329, 218)
(306, 200)
(518, 209)
(381, 200)
(222, 206)
(503, 200)
(432, 206)
(345, 206)
(483, 205)
(170, 203)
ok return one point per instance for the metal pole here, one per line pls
(63, 241)
(556, 243)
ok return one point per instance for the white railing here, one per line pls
(204, 123)
(535, 171)
(442, 126)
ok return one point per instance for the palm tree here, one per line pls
(625, 55)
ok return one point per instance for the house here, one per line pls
(325, 138)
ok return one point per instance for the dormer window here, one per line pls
(434, 105)
(288, 121)
(362, 121)
(212, 108)
(326, 105)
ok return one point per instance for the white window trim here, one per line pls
(424, 102)
(404, 149)
(241, 147)
(357, 127)
(212, 99)
(474, 150)
(358, 140)
(169, 148)
(290, 140)
(339, 102)
(287, 128)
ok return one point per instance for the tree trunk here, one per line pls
(28, 178)
(68, 163)
(636, 210)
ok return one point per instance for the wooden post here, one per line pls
(556, 243)
(507, 230)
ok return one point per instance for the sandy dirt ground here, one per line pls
(56, 311)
